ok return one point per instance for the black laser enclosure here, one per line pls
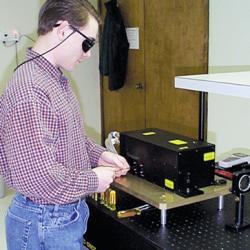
(177, 162)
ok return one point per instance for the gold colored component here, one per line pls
(128, 213)
(96, 196)
(102, 198)
(133, 211)
(106, 198)
(112, 200)
(89, 245)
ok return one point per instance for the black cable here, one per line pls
(16, 54)
(27, 37)
(45, 51)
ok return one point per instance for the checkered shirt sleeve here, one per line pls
(44, 151)
(31, 136)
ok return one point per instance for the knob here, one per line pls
(139, 85)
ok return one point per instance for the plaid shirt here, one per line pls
(44, 152)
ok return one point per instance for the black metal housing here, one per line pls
(177, 162)
(241, 180)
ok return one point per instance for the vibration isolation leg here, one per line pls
(163, 216)
(220, 202)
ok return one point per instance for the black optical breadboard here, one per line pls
(197, 226)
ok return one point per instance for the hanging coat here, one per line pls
(114, 47)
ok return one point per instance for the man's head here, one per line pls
(76, 12)
(76, 22)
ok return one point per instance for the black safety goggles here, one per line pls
(88, 42)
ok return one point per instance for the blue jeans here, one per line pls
(31, 226)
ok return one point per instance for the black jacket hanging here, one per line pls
(114, 47)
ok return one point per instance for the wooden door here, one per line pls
(124, 109)
(176, 43)
(173, 41)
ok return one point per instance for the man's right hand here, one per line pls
(105, 176)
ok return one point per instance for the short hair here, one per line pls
(76, 12)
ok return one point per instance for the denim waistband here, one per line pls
(20, 198)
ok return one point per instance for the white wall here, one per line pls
(15, 15)
(229, 51)
(22, 16)
(86, 83)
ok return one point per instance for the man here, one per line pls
(44, 153)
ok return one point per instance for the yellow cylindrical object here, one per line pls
(96, 196)
(102, 198)
(128, 213)
(106, 198)
(112, 200)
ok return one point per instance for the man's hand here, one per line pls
(116, 161)
(105, 176)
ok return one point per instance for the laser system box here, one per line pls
(170, 160)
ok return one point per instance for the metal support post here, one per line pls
(163, 216)
(220, 202)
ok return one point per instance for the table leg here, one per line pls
(221, 202)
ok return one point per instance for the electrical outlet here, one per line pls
(9, 37)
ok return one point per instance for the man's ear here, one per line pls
(63, 30)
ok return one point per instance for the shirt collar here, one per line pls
(43, 63)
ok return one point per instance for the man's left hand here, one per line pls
(114, 160)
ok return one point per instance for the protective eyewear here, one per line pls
(88, 42)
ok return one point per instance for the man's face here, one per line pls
(71, 52)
